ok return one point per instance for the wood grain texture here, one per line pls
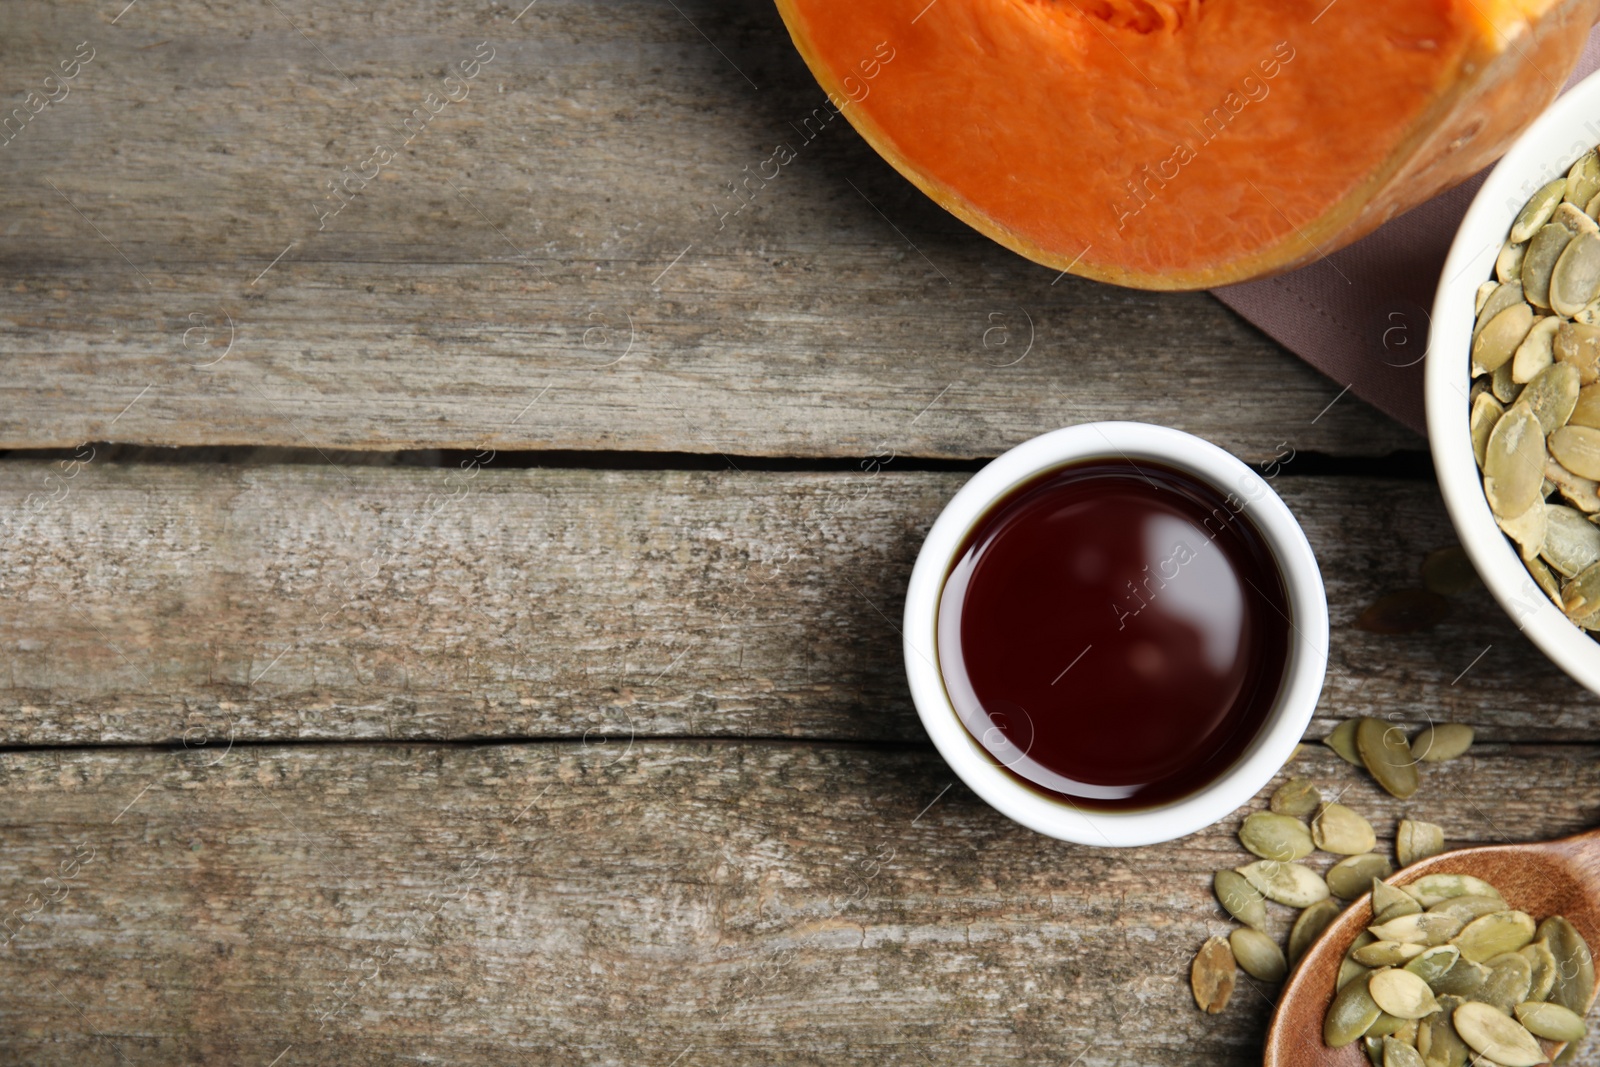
(567, 226)
(151, 603)
(561, 904)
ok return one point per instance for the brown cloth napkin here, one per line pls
(1361, 315)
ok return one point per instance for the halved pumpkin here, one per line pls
(1177, 144)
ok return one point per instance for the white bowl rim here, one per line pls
(1570, 127)
(1303, 675)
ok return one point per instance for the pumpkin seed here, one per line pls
(1500, 298)
(1434, 963)
(1401, 994)
(1373, 1047)
(1463, 979)
(1577, 448)
(1488, 288)
(1527, 530)
(1581, 493)
(1497, 1036)
(1508, 264)
(1442, 741)
(1510, 982)
(1416, 841)
(1433, 889)
(1469, 907)
(1297, 797)
(1240, 899)
(1338, 829)
(1500, 384)
(1308, 926)
(1514, 462)
(1575, 219)
(1387, 954)
(1286, 883)
(1396, 911)
(1583, 180)
(1576, 277)
(1578, 344)
(1448, 570)
(1437, 1039)
(1590, 315)
(1574, 984)
(1212, 976)
(1586, 412)
(1551, 1021)
(1537, 211)
(1386, 896)
(1541, 574)
(1539, 262)
(1384, 751)
(1497, 342)
(1399, 1054)
(1279, 837)
(1542, 968)
(1343, 741)
(1349, 969)
(1493, 934)
(1351, 1014)
(1580, 597)
(1571, 542)
(1426, 928)
(1537, 350)
(1486, 411)
(1552, 394)
(1258, 954)
(1353, 875)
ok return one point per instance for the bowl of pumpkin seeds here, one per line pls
(1513, 383)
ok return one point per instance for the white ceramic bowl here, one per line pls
(1549, 147)
(1297, 696)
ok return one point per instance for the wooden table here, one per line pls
(468, 634)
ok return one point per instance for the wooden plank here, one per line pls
(723, 903)
(146, 603)
(563, 232)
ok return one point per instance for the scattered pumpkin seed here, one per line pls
(1386, 754)
(1551, 1021)
(1353, 875)
(1416, 841)
(1537, 211)
(1212, 976)
(1258, 954)
(1286, 883)
(1576, 277)
(1493, 934)
(1433, 889)
(1343, 741)
(1308, 926)
(1513, 462)
(1240, 899)
(1586, 412)
(1442, 741)
(1280, 837)
(1537, 350)
(1339, 830)
(1500, 298)
(1497, 1036)
(1574, 983)
(1500, 337)
(1351, 1014)
(1297, 797)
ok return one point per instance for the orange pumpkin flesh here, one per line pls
(1180, 144)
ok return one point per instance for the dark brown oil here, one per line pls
(1114, 633)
